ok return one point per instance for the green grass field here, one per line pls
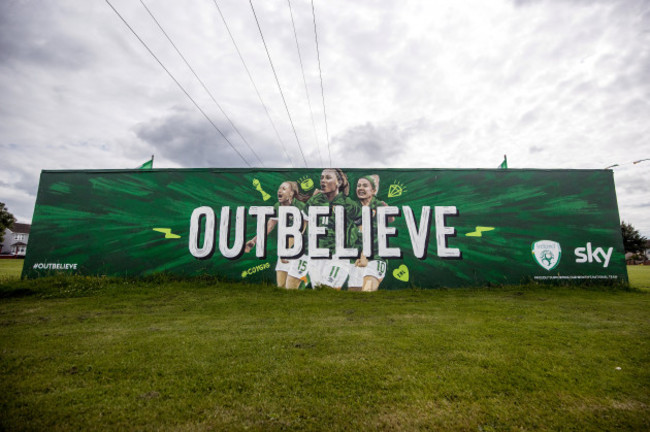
(93, 353)
(639, 277)
(10, 269)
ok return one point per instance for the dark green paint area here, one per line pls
(103, 221)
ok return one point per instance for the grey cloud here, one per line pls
(191, 141)
(528, 118)
(368, 39)
(633, 183)
(22, 207)
(367, 144)
(28, 34)
(15, 174)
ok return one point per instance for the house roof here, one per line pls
(21, 228)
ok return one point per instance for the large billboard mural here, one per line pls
(355, 229)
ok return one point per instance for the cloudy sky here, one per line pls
(426, 83)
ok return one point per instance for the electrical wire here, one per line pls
(322, 92)
(179, 84)
(627, 163)
(304, 80)
(278, 83)
(201, 82)
(268, 115)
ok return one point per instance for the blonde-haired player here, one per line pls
(287, 196)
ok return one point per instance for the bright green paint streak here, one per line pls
(167, 232)
(479, 231)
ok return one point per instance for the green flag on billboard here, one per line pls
(147, 165)
(504, 164)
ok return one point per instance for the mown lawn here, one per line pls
(639, 277)
(10, 269)
(91, 354)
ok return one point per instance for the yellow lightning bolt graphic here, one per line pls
(167, 232)
(479, 231)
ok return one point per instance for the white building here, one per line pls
(15, 240)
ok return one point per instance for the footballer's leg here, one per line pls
(292, 282)
(370, 283)
(281, 269)
(373, 274)
(297, 272)
(281, 278)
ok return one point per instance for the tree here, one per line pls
(6, 220)
(632, 240)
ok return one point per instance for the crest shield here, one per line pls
(547, 253)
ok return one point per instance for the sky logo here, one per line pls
(588, 254)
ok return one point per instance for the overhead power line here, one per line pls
(250, 77)
(178, 84)
(278, 83)
(304, 80)
(627, 163)
(200, 81)
(322, 92)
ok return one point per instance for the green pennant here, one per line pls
(147, 165)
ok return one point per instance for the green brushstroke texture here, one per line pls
(104, 220)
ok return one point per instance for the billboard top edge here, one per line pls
(317, 168)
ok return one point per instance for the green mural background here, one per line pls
(115, 222)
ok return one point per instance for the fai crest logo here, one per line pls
(547, 253)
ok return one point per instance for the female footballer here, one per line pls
(367, 275)
(334, 191)
(287, 194)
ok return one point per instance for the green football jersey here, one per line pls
(301, 207)
(295, 203)
(352, 213)
(374, 203)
